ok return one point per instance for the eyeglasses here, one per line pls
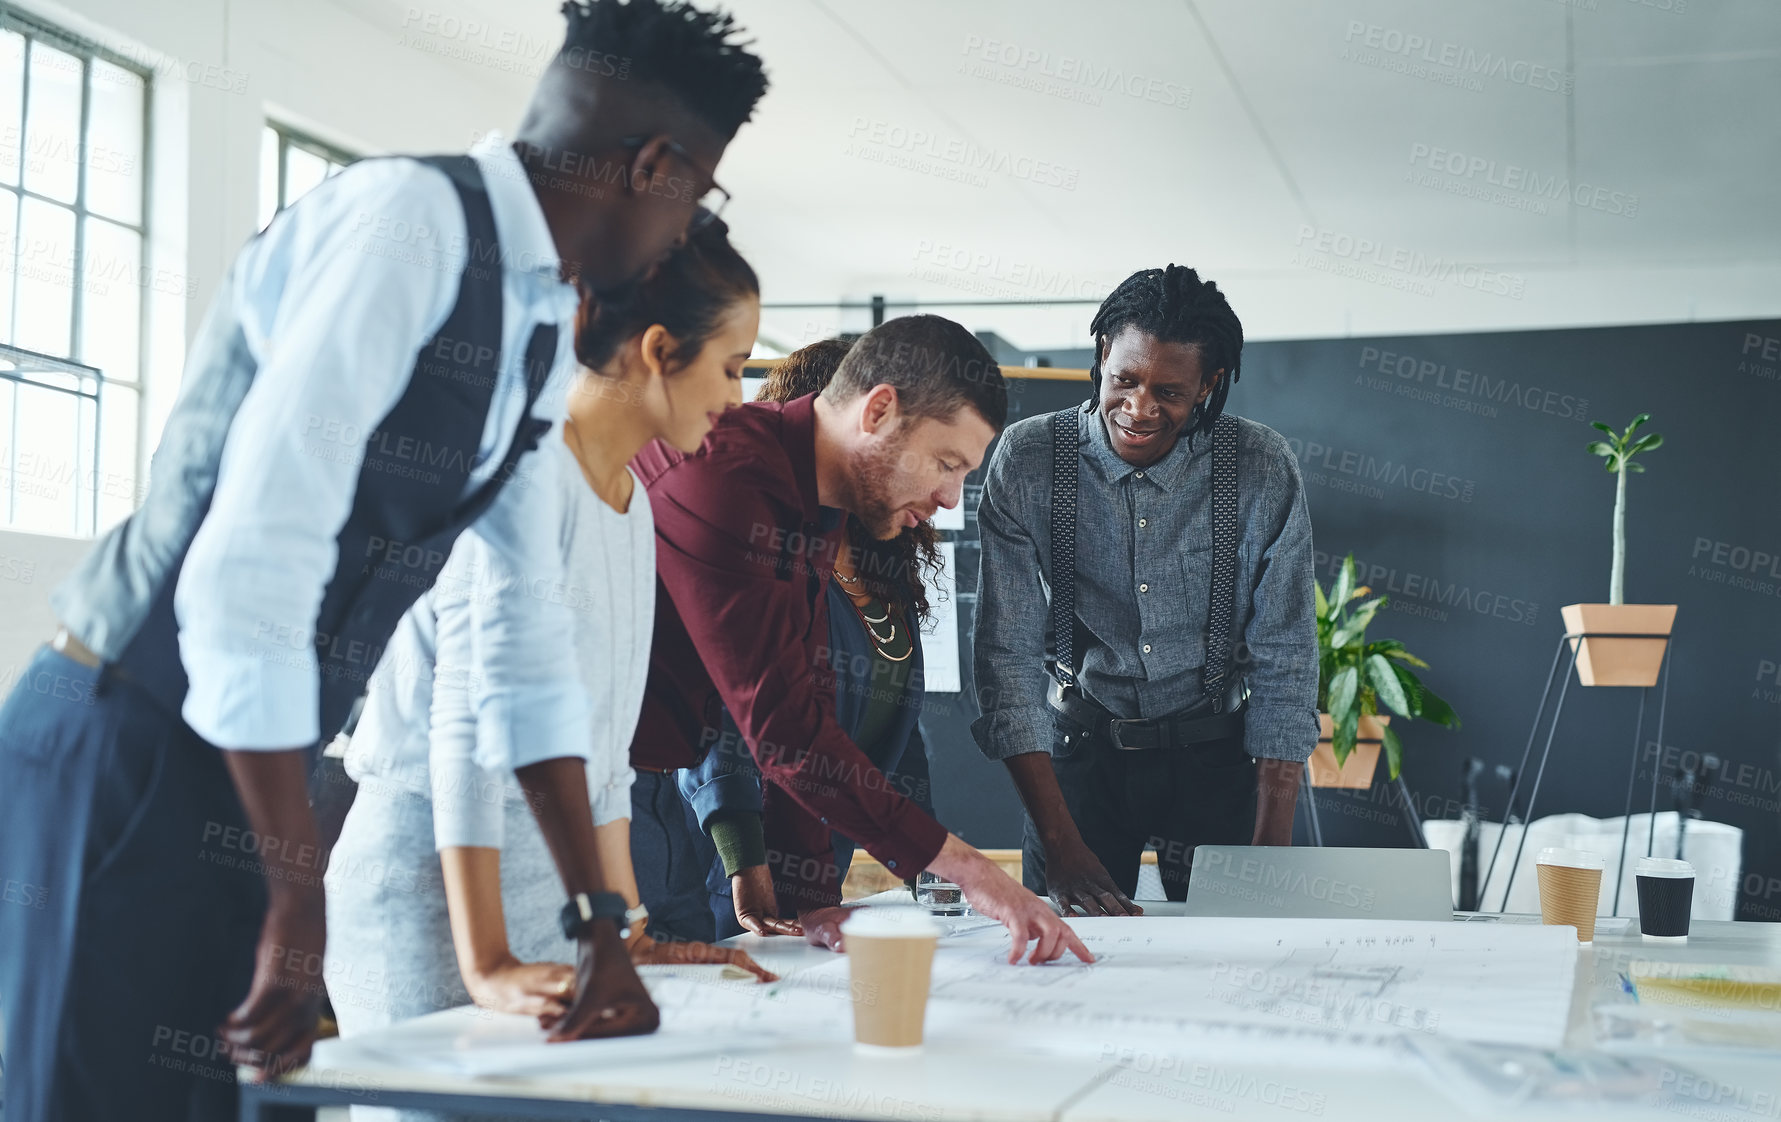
(711, 203)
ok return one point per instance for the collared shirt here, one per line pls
(1143, 587)
(335, 300)
(421, 729)
(744, 554)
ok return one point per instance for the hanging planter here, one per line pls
(1620, 662)
(1363, 759)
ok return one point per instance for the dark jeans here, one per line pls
(671, 856)
(132, 907)
(1167, 799)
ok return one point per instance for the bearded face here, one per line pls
(886, 495)
(910, 468)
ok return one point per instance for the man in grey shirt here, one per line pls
(1167, 347)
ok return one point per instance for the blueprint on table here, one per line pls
(1313, 990)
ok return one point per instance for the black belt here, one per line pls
(1138, 734)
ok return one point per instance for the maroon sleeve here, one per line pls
(741, 588)
(800, 854)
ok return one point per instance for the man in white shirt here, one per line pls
(367, 385)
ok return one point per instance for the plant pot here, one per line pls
(1357, 773)
(1619, 662)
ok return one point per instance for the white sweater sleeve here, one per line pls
(467, 797)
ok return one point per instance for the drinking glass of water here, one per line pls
(940, 897)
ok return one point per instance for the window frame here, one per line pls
(290, 137)
(87, 51)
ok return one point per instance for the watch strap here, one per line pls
(584, 908)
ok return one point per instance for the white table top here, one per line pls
(990, 1081)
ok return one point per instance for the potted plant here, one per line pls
(1620, 662)
(1354, 679)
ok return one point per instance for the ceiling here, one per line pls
(1352, 167)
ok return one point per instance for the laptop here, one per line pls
(1320, 883)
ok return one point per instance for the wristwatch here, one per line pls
(584, 908)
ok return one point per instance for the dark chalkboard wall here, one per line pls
(1453, 467)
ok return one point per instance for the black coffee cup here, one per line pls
(1666, 895)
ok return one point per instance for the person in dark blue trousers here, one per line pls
(370, 378)
(877, 602)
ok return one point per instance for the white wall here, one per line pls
(221, 68)
(30, 567)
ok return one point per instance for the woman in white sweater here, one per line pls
(661, 365)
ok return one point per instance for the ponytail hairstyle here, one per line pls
(1173, 305)
(688, 294)
(891, 571)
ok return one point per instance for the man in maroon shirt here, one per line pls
(747, 531)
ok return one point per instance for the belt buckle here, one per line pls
(1113, 726)
(69, 646)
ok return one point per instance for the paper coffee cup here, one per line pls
(1570, 885)
(1666, 897)
(890, 955)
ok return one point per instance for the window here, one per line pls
(73, 286)
(290, 165)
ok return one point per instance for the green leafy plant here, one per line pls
(1355, 677)
(1618, 450)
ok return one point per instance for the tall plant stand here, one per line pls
(1411, 818)
(1663, 688)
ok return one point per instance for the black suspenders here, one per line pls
(1065, 456)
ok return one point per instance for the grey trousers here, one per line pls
(390, 953)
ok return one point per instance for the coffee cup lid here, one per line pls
(1662, 867)
(890, 923)
(1571, 858)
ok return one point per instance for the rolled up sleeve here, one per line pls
(526, 686)
(610, 790)
(725, 780)
(1281, 639)
(335, 332)
(461, 817)
(1013, 605)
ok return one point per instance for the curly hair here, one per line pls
(892, 570)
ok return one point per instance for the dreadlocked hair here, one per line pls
(1173, 305)
(673, 44)
(891, 571)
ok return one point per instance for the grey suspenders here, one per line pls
(1065, 456)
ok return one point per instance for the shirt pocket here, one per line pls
(1174, 615)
